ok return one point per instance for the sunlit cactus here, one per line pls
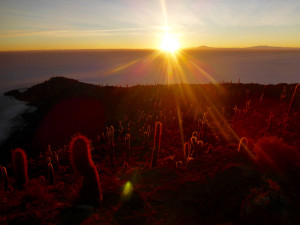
(51, 174)
(156, 143)
(127, 144)
(83, 164)
(243, 144)
(5, 178)
(20, 164)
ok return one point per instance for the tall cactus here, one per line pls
(20, 164)
(80, 150)
(156, 143)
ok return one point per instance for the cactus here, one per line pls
(51, 174)
(210, 149)
(42, 179)
(111, 144)
(55, 162)
(243, 144)
(235, 109)
(199, 146)
(127, 143)
(186, 150)
(293, 98)
(83, 164)
(146, 140)
(5, 178)
(156, 143)
(19, 159)
(193, 146)
(270, 121)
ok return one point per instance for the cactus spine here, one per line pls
(19, 160)
(156, 143)
(80, 150)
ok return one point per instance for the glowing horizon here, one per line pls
(36, 25)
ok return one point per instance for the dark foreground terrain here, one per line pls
(206, 172)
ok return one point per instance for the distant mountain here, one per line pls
(269, 47)
(260, 47)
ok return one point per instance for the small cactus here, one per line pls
(156, 143)
(19, 160)
(83, 164)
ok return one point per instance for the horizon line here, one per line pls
(202, 47)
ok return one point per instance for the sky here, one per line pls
(107, 24)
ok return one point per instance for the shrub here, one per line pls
(273, 152)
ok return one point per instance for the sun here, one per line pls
(169, 43)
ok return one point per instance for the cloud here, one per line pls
(74, 33)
